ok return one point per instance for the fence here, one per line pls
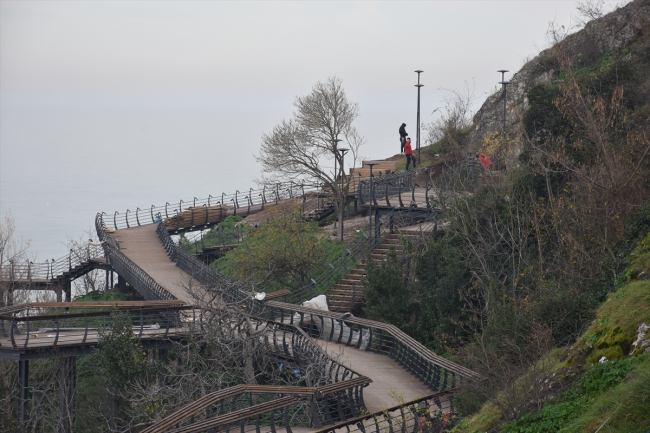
(438, 373)
(361, 249)
(126, 268)
(228, 290)
(50, 270)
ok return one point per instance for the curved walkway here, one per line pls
(142, 245)
(391, 383)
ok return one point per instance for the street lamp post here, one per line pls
(417, 134)
(343, 200)
(504, 83)
(371, 164)
(335, 144)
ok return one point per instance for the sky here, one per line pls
(143, 91)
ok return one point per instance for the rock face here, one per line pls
(612, 32)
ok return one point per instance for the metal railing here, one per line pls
(230, 291)
(385, 186)
(361, 249)
(126, 268)
(218, 236)
(50, 270)
(201, 212)
(438, 373)
(337, 394)
(431, 414)
(52, 325)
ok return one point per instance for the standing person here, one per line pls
(402, 136)
(409, 153)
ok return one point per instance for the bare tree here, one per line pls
(589, 10)
(12, 251)
(446, 131)
(91, 281)
(305, 146)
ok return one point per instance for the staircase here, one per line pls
(347, 293)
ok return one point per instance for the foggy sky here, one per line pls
(234, 54)
(112, 105)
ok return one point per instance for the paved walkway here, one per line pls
(388, 376)
(143, 246)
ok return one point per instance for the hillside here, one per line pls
(626, 30)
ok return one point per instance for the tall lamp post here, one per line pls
(504, 83)
(343, 201)
(372, 194)
(417, 134)
(335, 144)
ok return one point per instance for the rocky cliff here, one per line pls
(628, 26)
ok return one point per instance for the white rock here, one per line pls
(603, 360)
(642, 332)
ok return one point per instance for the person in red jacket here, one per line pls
(409, 153)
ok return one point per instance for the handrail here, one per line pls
(58, 327)
(200, 210)
(209, 278)
(430, 414)
(388, 224)
(54, 270)
(342, 385)
(126, 268)
(433, 370)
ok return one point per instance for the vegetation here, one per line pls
(285, 253)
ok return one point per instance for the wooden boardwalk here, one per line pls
(142, 245)
(389, 378)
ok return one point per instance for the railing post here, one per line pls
(127, 219)
(136, 216)
(151, 210)
(115, 220)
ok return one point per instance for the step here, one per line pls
(359, 271)
(380, 251)
(346, 287)
(397, 246)
(349, 281)
(361, 267)
(355, 277)
(334, 293)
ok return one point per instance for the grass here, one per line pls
(594, 400)
(615, 394)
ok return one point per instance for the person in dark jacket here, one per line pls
(402, 136)
(409, 153)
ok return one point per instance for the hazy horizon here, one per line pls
(106, 106)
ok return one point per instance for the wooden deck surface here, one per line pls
(388, 376)
(142, 245)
